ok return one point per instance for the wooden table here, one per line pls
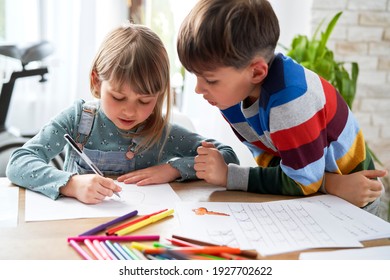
(47, 240)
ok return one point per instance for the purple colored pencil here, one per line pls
(109, 224)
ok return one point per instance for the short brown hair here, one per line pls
(227, 33)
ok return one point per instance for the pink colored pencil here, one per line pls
(101, 250)
(115, 238)
(80, 250)
(93, 250)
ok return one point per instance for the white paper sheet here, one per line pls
(371, 253)
(360, 223)
(9, 206)
(145, 199)
(270, 227)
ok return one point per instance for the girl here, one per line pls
(123, 132)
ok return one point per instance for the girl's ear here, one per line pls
(95, 81)
(259, 70)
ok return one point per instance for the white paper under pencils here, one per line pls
(270, 228)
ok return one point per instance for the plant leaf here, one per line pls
(325, 36)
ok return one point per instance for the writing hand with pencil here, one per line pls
(210, 165)
(90, 188)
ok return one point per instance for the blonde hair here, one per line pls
(227, 33)
(133, 54)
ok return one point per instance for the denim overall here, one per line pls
(111, 163)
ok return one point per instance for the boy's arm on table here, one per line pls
(182, 147)
(359, 188)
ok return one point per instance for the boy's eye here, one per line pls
(210, 82)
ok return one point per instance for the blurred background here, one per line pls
(76, 29)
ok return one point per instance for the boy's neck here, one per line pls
(247, 102)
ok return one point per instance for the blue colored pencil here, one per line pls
(114, 250)
(121, 251)
(111, 254)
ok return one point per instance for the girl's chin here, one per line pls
(125, 126)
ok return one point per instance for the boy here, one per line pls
(299, 129)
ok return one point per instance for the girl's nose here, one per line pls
(129, 109)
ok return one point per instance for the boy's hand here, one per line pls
(159, 174)
(210, 165)
(90, 188)
(358, 188)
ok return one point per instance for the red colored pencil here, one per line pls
(245, 253)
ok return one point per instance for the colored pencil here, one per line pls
(80, 250)
(182, 243)
(110, 223)
(228, 256)
(121, 251)
(144, 223)
(93, 250)
(113, 230)
(101, 250)
(130, 252)
(111, 254)
(116, 238)
(211, 250)
(210, 257)
(160, 245)
(114, 250)
(139, 254)
(246, 253)
(84, 156)
(140, 246)
(176, 255)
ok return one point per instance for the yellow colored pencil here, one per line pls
(144, 223)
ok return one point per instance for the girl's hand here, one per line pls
(159, 174)
(90, 188)
(210, 165)
(358, 188)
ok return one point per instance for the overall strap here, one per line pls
(86, 121)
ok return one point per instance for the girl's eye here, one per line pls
(144, 102)
(117, 98)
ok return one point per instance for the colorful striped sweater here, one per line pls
(298, 129)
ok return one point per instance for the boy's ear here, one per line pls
(259, 70)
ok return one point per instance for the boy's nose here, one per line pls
(198, 88)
